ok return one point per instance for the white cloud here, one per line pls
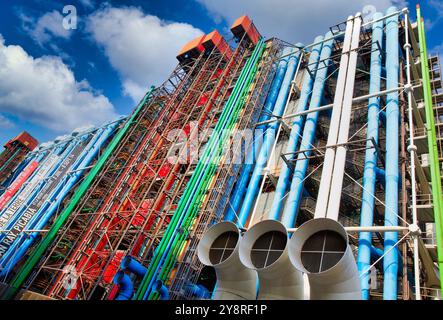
(46, 27)
(44, 91)
(295, 20)
(87, 3)
(5, 123)
(142, 48)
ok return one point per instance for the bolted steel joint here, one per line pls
(412, 147)
(414, 229)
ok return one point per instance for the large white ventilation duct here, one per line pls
(219, 248)
(320, 249)
(264, 248)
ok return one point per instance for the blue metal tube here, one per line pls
(239, 191)
(269, 139)
(161, 289)
(129, 263)
(39, 187)
(390, 261)
(284, 179)
(42, 160)
(197, 290)
(381, 175)
(42, 217)
(294, 196)
(370, 167)
(126, 288)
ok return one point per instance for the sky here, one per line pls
(70, 64)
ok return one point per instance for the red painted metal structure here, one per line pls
(15, 151)
(130, 204)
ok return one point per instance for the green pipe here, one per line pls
(35, 256)
(192, 187)
(432, 145)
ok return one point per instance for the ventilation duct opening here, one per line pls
(223, 246)
(218, 248)
(264, 248)
(268, 248)
(320, 249)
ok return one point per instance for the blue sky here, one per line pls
(53, 79)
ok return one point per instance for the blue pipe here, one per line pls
(126, 288)
(161, 289)
(129, 263)
(197, 290)
(370, 167)
(376, 253)
(390, 261)
(12, 220)
(294, 196)
(135, 267)
(39, 221)
(42, 160)
(269, 139)
(381, 175)
(239, 191)
(284, 179)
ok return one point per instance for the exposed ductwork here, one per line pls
(264, 248)
(320, 249)
(219, 248)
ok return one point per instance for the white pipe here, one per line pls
(234, 280)
(367, 229)
(334, 126)
(345, 119)
(339, 281)
(412, 150)
(278, 280)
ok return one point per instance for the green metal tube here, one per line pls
(35, 256)
(432, 145)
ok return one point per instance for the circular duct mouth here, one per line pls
(322, 251)
(268, 248)
(223, 247)
(218, 243)
(263, 244)
(318, 245)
